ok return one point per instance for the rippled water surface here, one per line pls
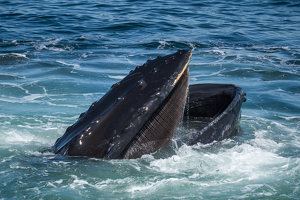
(57, 57)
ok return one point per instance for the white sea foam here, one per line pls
(93, 94)
(40, 47)
(12, 76)
(242, 162)
(78, 183)
(162, 44)
(192, 46)
(218, 73)
(61, 105)
(30, 98)
(54, 184)
(152, 185)
(118, 77)
(14, 55)
(49, 44)
(55, 49)
(19, 55)
(136, 188)
(75, 65)
(217, 51)
(128, 60)
(14, 136)
(44, 47)
(6, 159)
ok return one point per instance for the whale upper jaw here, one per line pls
(137, 116)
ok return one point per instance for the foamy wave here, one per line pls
(162, 44)
(15, 85)
(286, 48)
(153, 185)
(217, 51)
(242, 162)
(15, 55)
(291, 118)
(31, 98)
(108, 184)
(52, 48)
(76, 66)
(192, 46)
(19, 55)
(12, 76)
(128, 60)
(14, 136)
(116, 77)
(218, 73)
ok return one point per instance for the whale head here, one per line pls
(137, 116)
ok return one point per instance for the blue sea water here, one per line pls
(57, 57)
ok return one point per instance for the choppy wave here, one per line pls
(250, 164)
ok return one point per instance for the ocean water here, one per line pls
(57, 57)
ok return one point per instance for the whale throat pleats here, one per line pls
(162, 125)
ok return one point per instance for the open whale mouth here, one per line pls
(136, 116)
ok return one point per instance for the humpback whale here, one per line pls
(141, 113)
(137, 116)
